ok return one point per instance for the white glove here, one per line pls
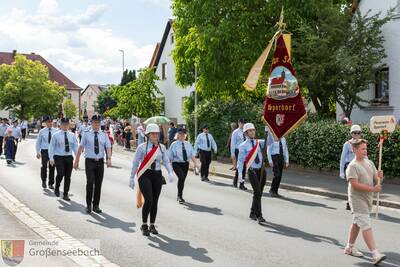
(132, 183)
(171, 177)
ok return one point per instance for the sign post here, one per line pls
(381, 125)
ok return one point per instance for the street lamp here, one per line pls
(123, 60)
(195, 101)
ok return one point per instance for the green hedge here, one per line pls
(319, 145)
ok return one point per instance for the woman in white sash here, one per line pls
(147, 170)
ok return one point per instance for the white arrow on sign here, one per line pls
(382, 123)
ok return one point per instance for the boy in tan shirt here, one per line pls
(363, 179)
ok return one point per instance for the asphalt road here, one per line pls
(212, 229)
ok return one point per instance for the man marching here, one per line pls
(278, 158)
(250, 157)
(42, 151)
(203, 145)
(62, 144)
(94, 143)
(180, 153)
(83, 128)
(237, 138)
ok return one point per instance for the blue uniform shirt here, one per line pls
(42, 141)
(87, 143)
(3, 128)
(84, 128)
(236, 139)
(347, 156)
(175, 152)
(244, 150)
(57, 144)
(141, 153)
(273, 149)
(201, 143)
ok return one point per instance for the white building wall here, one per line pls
(391, 33)
(173, 94)
(75, 95)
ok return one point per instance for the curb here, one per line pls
(320, 192)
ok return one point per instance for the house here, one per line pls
(89, 97)
(73, 90)
(173, 95)
(384, 94)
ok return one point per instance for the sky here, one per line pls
(82, 38)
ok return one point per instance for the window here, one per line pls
(162, 103)
(85, 104)
(164, 71)
(382, 86)
(172, 38)
(69, 95)
(94, 105)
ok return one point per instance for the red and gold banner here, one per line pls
(283, 108)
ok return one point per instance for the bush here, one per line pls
(319, 145)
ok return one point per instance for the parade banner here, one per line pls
(283, 108)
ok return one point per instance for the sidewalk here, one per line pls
(314, 183)
(13, 229)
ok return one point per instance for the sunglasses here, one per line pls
(356, 132)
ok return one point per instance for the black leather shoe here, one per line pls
(242, 187)
(234, 184)
(57, 192)
(260, 219)
(153, 229)
(253, 216)
(97, 210)
(206, 179)
(145, 230)
(51, 186)
(88, 210)
(273, 194)
(348, 206)
(180, 200)
(66, 198)
(203, 179)
(44, 185)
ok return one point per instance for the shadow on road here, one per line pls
(72, 206)
(179, 248)
(219, 183)
(49, 193)
(106, 220)
(296, 233)
(392, 260)
(200, 208)
(306, 203)
(387, 218)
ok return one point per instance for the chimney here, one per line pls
(14, 53)
(32, 53)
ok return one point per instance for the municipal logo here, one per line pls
(12, 251)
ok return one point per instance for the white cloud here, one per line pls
(77, 44)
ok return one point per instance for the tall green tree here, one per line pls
(224, 38)
(128, 76)
(25, 89)
(359, 58)
(105, 101)
(138, 97)
(69, 108)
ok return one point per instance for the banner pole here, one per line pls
(379, 180)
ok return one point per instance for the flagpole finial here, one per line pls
(281, 25)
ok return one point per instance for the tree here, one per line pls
(138, 97)
(359, 57)
(105, 101)
(25, 89)
(128, 76)
(69, 108)
(224, 38)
